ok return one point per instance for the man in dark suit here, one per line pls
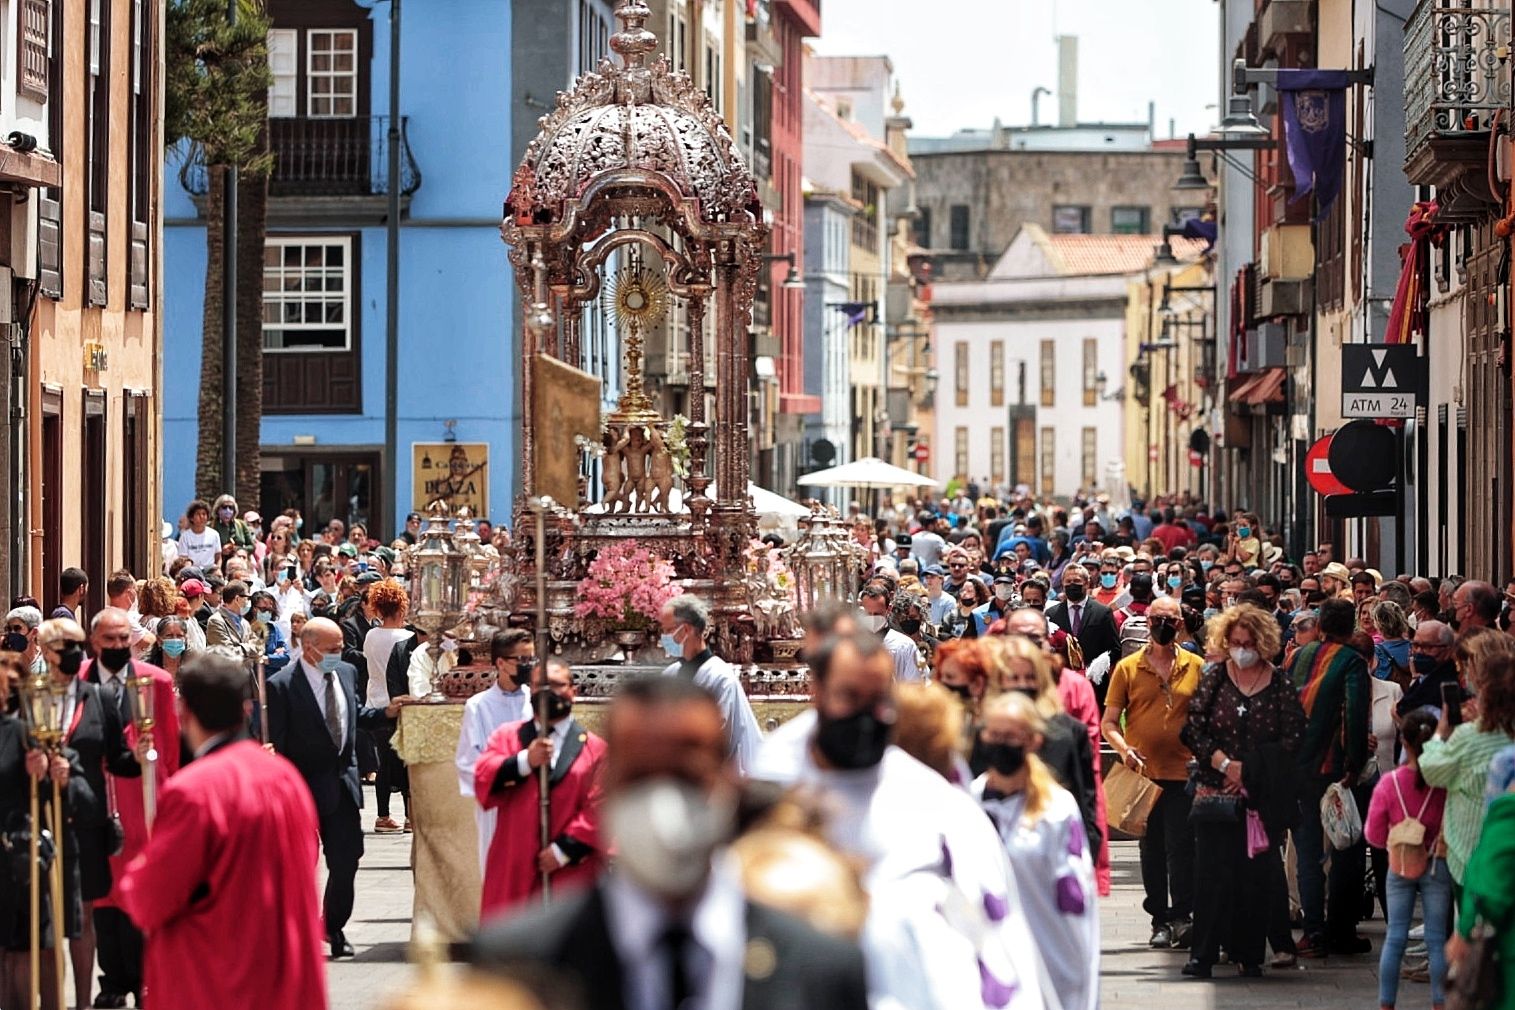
(313, 718)
(1087, 620)
(672, 923)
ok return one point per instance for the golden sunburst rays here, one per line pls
(636, 297)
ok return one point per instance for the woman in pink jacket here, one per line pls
(1401, 795)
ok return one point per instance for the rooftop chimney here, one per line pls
(1067, 80)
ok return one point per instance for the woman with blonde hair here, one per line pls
(1245, 723)
(1042, 828)
(929, 727)
(1017, 666)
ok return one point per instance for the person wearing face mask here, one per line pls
(1089, 621)
(229, 527)
(1146, 708)
(230, 627)
(512, 653)
(506, 780)
(313, 716)
(172, 646)
(21, 637)
(1043, 835)
(1000, 600)
(1334, 687)
(1244, 728)
(1108, 588)
(671, 924)
(236, 822)
(940, 601)
(1432, 664)
(685, 620)
(92, 719)
(919, 838)
(876, 601)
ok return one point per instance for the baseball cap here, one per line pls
(369, 578)
(935, 570)
(348, 551)
(192, 587)
(188, 573)
(251, 517)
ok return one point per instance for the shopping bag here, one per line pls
(1129, 797)
(1339, 817)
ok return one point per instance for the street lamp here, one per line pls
(1239, 120)
(792, 280)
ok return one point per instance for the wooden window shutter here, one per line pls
(31, 49)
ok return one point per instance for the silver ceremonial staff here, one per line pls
(544, 774)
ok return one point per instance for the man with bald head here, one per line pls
(116, 672)
(1145, 712)
(313, 718)
(1475, 604)
(1431, 665)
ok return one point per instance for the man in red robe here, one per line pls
(506, 778)
(226, 888)
(120, 944)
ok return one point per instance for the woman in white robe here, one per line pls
(1043, 833)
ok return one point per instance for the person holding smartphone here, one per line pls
(1468, 736)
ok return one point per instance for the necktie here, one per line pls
(333, 717)
(676, 941)
(1078, 617)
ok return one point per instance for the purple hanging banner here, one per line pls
(1314, 104)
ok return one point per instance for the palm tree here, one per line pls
(216, 116)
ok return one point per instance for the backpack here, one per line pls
(1134, 632)
(1408, 852)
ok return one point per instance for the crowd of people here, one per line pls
(1313, 743)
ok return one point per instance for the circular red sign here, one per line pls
(1318, 469)
(922, 452)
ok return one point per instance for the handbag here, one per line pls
(15, 843)
(1473, 983)
(1129, 799)
(1257, 835)
(1214, 806)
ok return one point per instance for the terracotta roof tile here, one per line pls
(1081, 255)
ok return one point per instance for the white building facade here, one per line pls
(1031, 362)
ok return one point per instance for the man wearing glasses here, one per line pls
(957, 572)
(1431, 665)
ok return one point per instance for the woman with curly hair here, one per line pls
(1245, 723)
(158, 599)
(388, 603)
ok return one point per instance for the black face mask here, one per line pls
(1074, 593)
(70, 658)
(1164, 632)
(854, 741)
(909, 626)
(1314, 597)
(15, 641)
(1005, 758)
(557, 707)
(523, 671)
(961, 690)
(115, 659)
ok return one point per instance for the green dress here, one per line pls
(1487, 893)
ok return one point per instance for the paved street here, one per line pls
(1133, 975)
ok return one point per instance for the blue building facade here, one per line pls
(324, 269)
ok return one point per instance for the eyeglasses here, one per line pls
(16, 629)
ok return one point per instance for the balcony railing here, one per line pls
(1457, 71)
(328, 157)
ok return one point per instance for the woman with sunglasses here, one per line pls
(960, 621)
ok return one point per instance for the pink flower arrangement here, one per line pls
(626, 587)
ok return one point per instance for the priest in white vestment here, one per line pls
(513, 654)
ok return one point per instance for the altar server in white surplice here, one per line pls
(684, 622)
(513, 653)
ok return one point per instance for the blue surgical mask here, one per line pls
(244, 607)
(173, 648)
(1206, 564)
(1174, 581)
(1107, 579)
(1244, 531)
(330, 661)
(672, 647)
(261, 617)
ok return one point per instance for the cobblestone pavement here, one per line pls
(380, 926)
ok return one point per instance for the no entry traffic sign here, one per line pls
(1318, 469)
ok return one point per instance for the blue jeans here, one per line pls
(1435, 890)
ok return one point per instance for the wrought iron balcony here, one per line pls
(328, 158)
(1457, 76)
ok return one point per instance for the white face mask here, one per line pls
(1243, 657)
(665, 832)
(1004, 592)
(875, 622)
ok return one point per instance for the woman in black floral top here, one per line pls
(1244, 707)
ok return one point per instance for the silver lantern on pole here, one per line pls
(827, 562)
(439, 585)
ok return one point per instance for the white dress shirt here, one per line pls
(721, 679)
(714, 963)
(317, 681)
(905, 654)
(557, 733)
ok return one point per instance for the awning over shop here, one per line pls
(1266, 386)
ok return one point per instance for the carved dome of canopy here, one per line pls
(633, 117)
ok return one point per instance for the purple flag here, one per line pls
(856, 312)
(1314, 105)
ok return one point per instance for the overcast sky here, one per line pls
(960, 63)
